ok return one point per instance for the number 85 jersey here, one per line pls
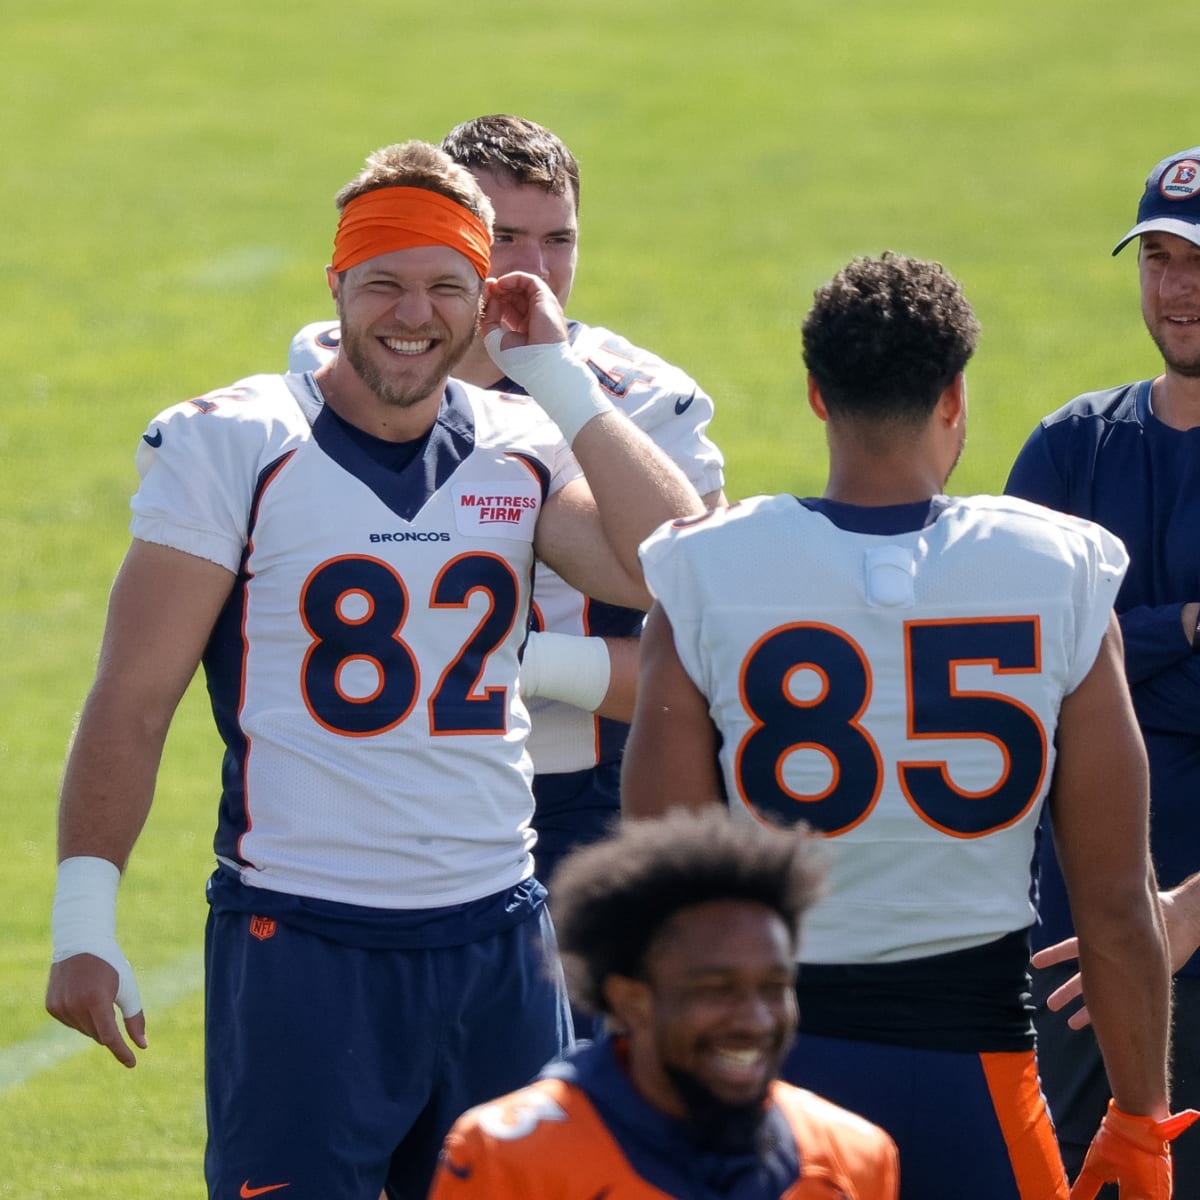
(363, 673)
(893, 677)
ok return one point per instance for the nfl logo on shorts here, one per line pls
(262, 928)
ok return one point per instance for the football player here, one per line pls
(914, 674)
(1127, 457)
(350, 553)
(682, 932)
(579, 692)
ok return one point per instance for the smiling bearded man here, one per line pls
(681, 932)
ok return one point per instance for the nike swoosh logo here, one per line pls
(156, 441)
(681, 406)
(456, 1170)
(247, 1191)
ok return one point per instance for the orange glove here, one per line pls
(1132, 1152)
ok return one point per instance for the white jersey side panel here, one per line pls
(900, 693)
(363, 674)
(669, 406)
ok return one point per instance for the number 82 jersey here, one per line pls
(363, 673)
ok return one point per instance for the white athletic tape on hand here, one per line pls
(567, 667)
(556, 377)
(84, 921)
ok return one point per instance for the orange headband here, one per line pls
(399, 218)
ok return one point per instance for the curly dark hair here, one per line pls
(886, 336)
(611, 900)
(523, 150)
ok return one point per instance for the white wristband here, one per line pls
(84, 921)
(557, 378)
(567, 667)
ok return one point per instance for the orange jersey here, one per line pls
(547, 1140)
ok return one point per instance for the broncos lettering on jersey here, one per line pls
(674, 411)
(363, 673)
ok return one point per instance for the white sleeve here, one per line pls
(677, 422)
(198, 466)
(313, 346)
(564, 468)
(662, 400)
(1104, 561)
(655, 555)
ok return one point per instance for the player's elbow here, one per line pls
(1119, 919)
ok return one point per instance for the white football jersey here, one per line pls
(899, 692)
(672, 409)
(363, 674)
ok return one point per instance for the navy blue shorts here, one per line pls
(332, 1068)
(573, 809)
(967, 1125)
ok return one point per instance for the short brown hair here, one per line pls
(419, 165)
(523, 150)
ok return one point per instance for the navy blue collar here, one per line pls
(885, 519)
(662, 1149)
(449, 441)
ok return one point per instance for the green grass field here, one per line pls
(168, 174)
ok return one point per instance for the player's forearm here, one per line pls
(1124, 963)
(108, 783)
(619, 700)
(106, 794)
(635, 485)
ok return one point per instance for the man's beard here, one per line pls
(353, 347)
(1188, 368)
(716, 1124)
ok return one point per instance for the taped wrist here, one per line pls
(557, 378)
(84, 921)
(562, 666)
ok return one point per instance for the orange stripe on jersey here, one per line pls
(597, 745)
(1024, 1121)
(244, 669)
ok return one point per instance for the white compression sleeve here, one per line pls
(557, 378)
(84, 921)
(567, 667)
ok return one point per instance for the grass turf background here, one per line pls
(167, 180)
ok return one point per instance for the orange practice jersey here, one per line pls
(547, 1140)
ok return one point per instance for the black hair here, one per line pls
(611, 900)
(886, 336)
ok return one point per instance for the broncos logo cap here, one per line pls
(1171, 201)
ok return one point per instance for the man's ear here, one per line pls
(628, 1000)
(952, 403)
(815, 400)
(335, 283)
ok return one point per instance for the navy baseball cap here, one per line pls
(1171, 201)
